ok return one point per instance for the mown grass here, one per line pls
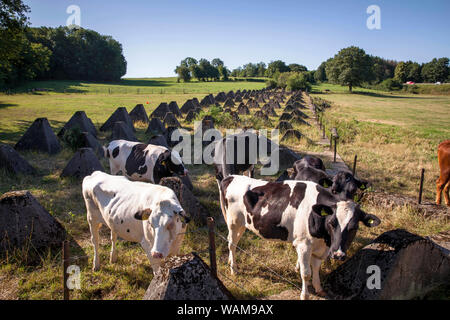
(130, 276)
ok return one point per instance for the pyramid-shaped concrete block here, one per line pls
(12, 161)
(89, 141)
(186, 277)
(82, 164)
(156, 127)
(81, 121)
(171, 120)
(25, 223)
(173, 107)
(39, 137)
(138, 114)
(121, 131)
(407, 266)
(161, 111)
(120, 114)
(190, 204)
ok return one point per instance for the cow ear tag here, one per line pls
(323, 213)
(370, 221)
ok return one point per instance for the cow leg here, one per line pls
(155, 263)
(113, 255)
(315, 266)
(234, 235)
(439, 188)
(95, 227)
(446, 195)
(304, 260)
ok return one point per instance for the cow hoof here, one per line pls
(95, 268)
(304, 297)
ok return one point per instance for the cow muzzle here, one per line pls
(339, 255)
(157, 255)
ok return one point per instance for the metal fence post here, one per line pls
(212, 246)
(66, 258)
(422, 174)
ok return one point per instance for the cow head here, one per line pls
(171, 160)
(346, 185)
(311, 161)
(338, 226)
(167, 219)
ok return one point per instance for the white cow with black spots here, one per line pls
(303, 213)
(143, 162)
(135, 211)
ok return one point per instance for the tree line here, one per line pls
(53, 53)
(353, 67)
(202, 70)
(261, 70)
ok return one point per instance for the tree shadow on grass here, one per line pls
(7, 105)
(141, 83)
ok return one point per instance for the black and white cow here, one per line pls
(122, 205)
(311, 161)
(143, 162)
(305, 170)
(346, 185)
(300, 212)
(237, 153)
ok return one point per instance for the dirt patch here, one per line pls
(428, 209)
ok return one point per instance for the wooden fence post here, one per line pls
(335, 137)
(422, 175)
(212, 246)
(66, 258)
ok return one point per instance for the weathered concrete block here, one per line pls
(186, 277)
(410, 266)
(24, 222)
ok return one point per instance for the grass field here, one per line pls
(393, 135)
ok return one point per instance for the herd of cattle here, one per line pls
(310, 209)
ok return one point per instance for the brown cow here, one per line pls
(444, 178)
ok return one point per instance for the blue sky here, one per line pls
(157, 35)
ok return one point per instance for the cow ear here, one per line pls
(143, 215)
(325, 182)
(370, 220)
(251, 199)
(322, 210)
